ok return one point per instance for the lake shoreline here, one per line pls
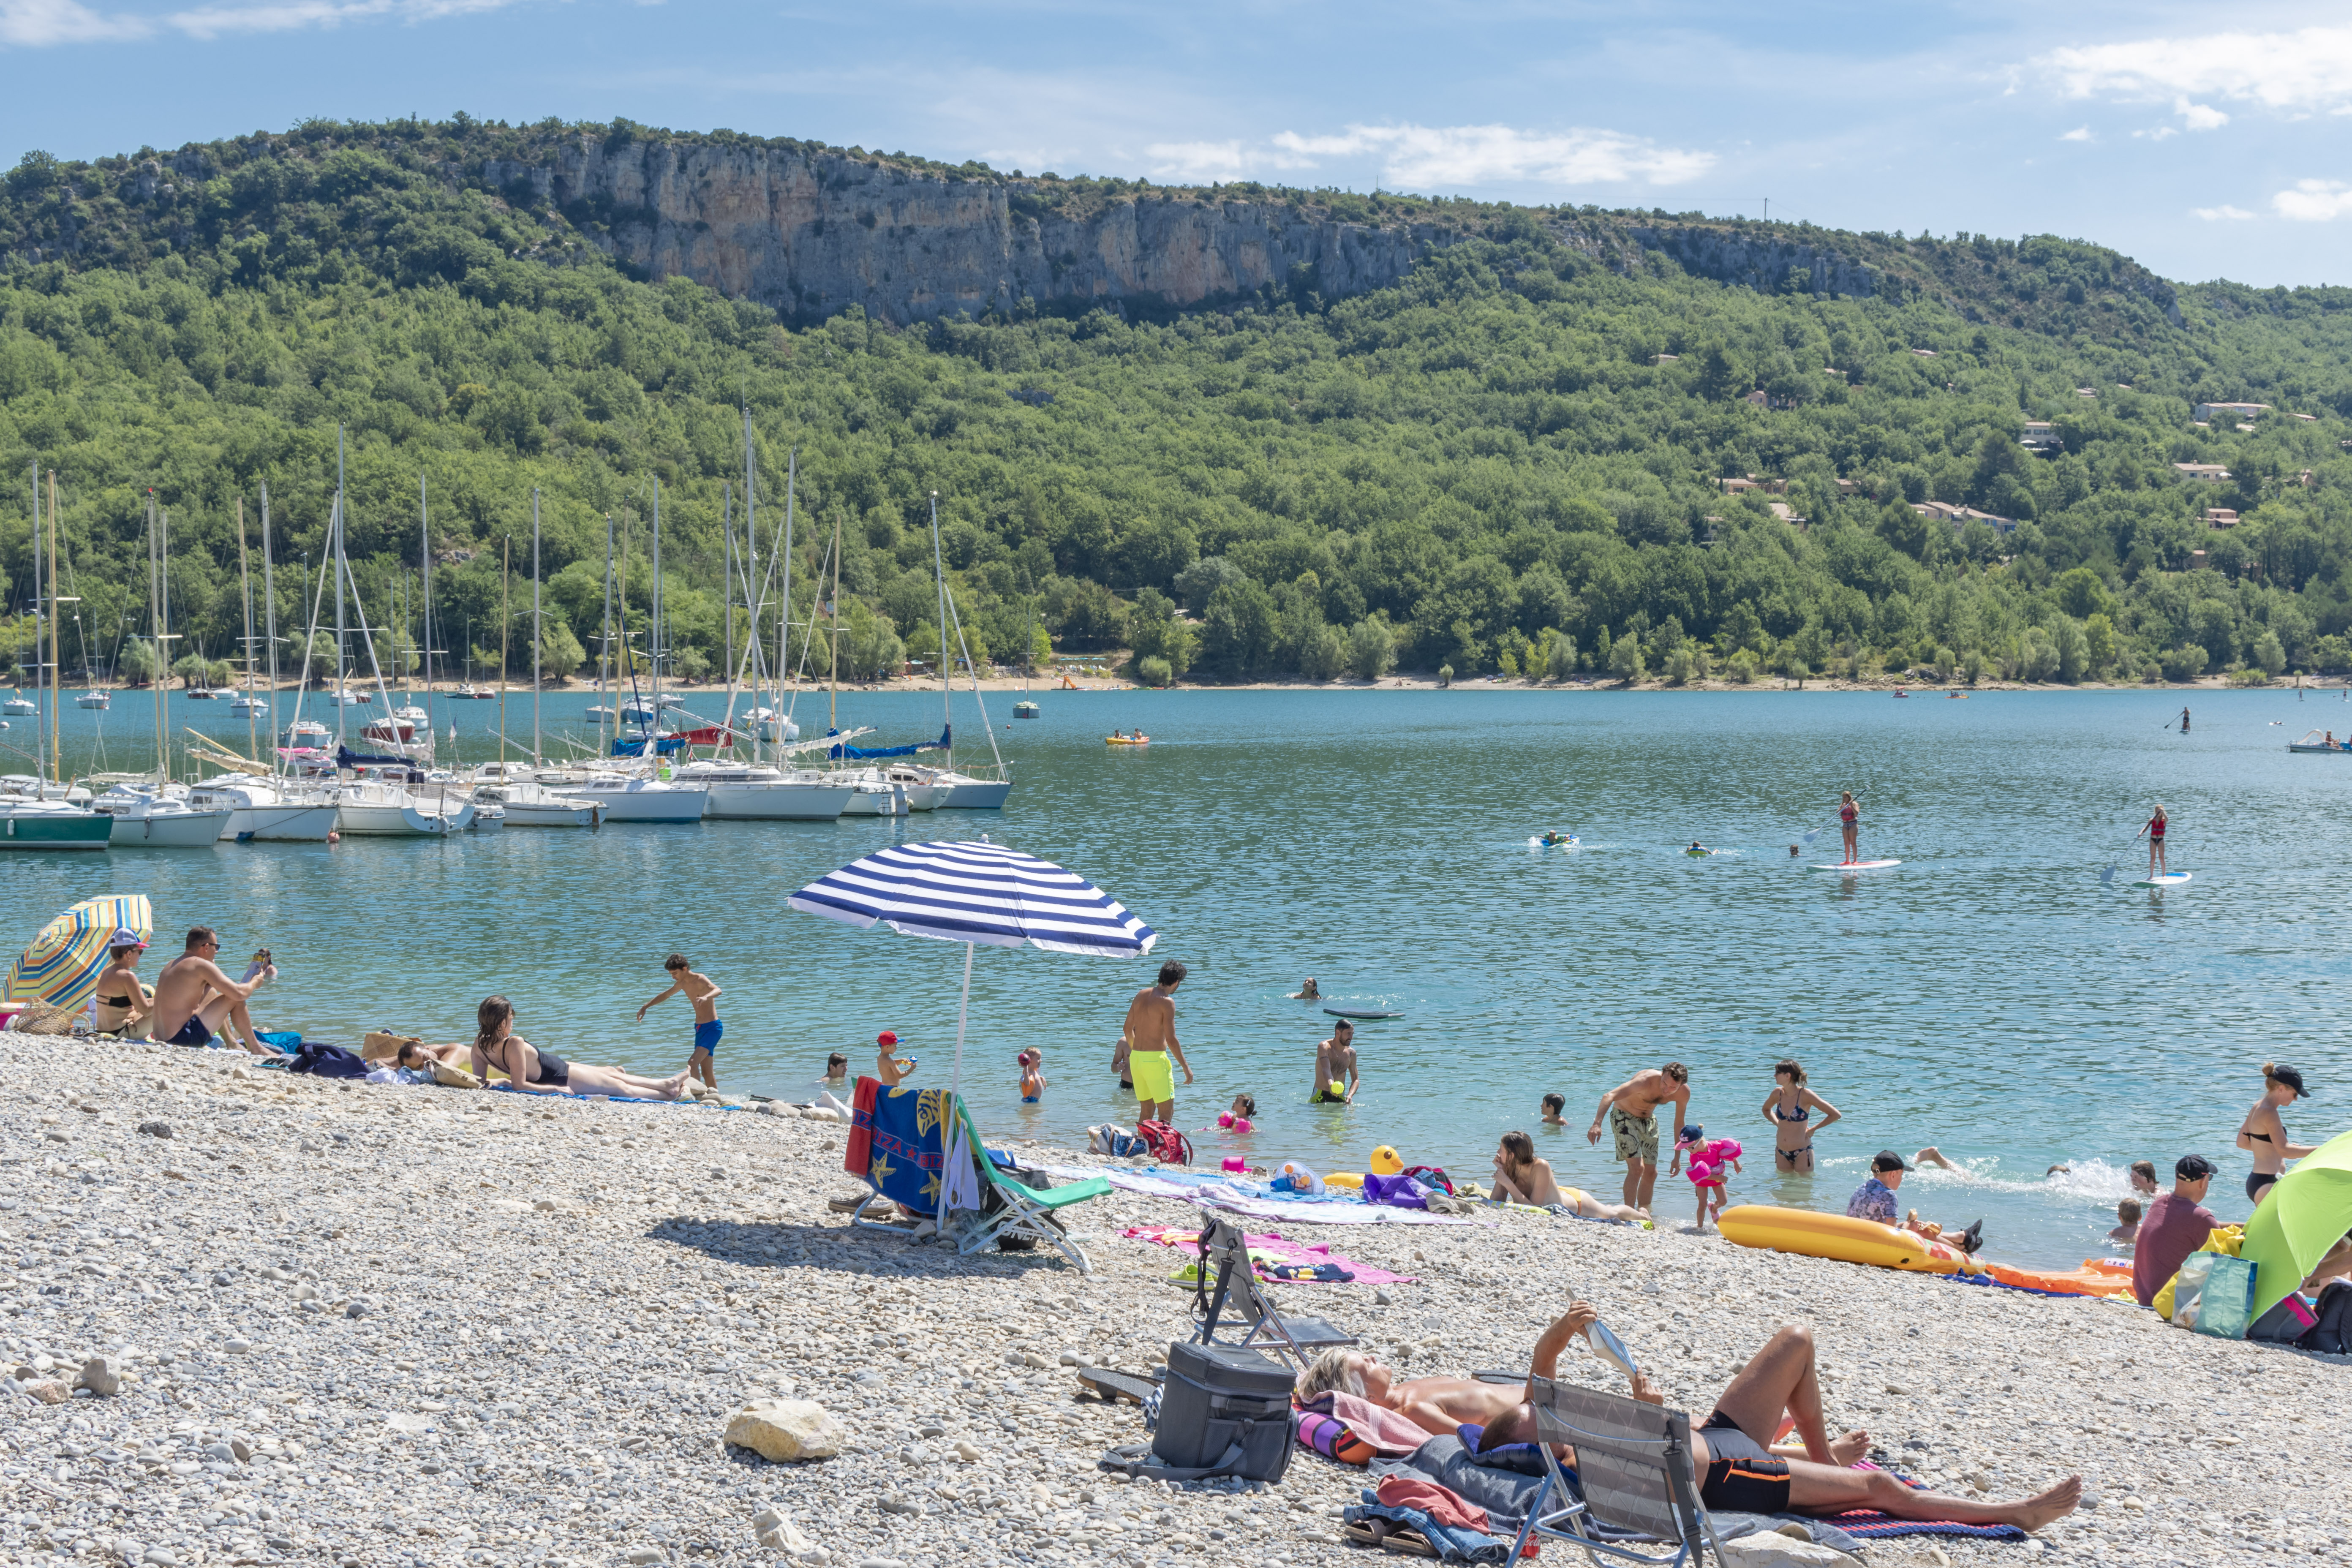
(527, 1343)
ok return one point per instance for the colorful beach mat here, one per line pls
(1270, 1248)
(1869, 1524)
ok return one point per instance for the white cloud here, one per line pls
(2200, 116)
(2309, 70)
(2080, 134)
(1424, 157)
(38, 24)
(2314, 201)
(2213, 215)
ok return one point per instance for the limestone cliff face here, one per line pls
(812, 231)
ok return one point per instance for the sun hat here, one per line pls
(125, 937)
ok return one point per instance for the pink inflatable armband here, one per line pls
(1235, 1163)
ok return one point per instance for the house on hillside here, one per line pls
(2086, 392)
(2205, 410)
(2210, 473)
(2041, 436)
(2221, 517)
(1959, 517)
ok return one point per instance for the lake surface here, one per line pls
(1991, 996)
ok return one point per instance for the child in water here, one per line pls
(2127, 1232)
(1032, 1076)
(1237, 1120)
(1706, 1160)
(1553, 1104)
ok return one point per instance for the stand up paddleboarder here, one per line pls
(1850, 825)
(2154, 827)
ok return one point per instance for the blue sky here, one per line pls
(2206, 141)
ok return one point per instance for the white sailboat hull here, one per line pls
(642, 800)
(168, 830)
(977, 794)
(404, 819)
(874, 800)
(776, 801)
(300, 824)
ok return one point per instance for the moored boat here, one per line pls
(28, 823)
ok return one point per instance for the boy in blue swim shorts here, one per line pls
(698, 990)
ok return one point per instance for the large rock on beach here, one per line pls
(785, 1430)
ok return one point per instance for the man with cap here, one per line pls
(2175, 1225)
(1875, 1199)
(120, 1000)
(194, 996)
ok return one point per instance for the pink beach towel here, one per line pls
(1278, 1250)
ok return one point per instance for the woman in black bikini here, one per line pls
(2264, 1135)
(535, 1071)
(121, 1000)
(1788, 1108)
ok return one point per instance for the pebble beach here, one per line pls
(325, 1322)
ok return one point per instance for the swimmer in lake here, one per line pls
(1307, 992)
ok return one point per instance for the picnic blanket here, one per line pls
(1384, 1431)
(1269, 1247)
(1227, 1194)
(1872, 1525)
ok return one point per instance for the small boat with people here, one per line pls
(1135, 738)
(2321, 740)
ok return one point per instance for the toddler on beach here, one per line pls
(891, 1068)
(1032, 1076)
(1706, 1160)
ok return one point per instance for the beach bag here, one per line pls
(2223, 1238)
(2285, 1323)
(1430, 1176)
(2332, 1334)
(1396, 1192)
(1224, 1411)
(327, 1061)
(1116, 1140)
(378, 1045)
(1166, 1143)
(2214, 1295)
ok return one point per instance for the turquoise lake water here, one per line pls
(1990, 997)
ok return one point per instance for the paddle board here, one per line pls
(2167, 879)
(1570, 842)
(1861, 866)
(1353, 1013)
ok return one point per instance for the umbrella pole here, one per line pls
(955, 1088)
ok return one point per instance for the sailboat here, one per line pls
(39, 818)
(964, 792)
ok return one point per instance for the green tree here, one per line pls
(2100, 645)
(1237, 633)
(1625, 659)
(1154, 671)
(137, 663)
(2073, 650)
(560, 653)
(1559, 654)
(1371, 650)
(2082, 593)
(2269, 655)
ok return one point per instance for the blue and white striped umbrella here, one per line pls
(981, 893)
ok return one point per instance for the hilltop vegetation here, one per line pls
(1507, 462)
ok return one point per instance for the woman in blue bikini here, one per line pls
(1790, 1108)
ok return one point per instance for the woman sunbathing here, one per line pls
(535, 1071)
(1520, 1177)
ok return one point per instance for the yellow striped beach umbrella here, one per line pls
(65, 961)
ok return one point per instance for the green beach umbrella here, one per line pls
(2303, 1214)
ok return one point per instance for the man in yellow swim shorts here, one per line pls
(1150, 1040)
(1632, 1109)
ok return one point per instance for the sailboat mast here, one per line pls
(57, 665)
(244, 591)
(155, 625)
(505, 625)
(604, 655)
(654, 633)
(424, 581)
(538, 636)
(833, 609)
(269, 622)
(784, 615)
(336, 565)
(727, 589)
(939, 571)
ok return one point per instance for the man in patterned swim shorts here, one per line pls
(1631, 1110)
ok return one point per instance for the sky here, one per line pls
(2205, 141)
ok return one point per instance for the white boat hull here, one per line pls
(168, 830)
(98, 700)
(552, 814)
(299, 823)
(978, 794)
(874, 800)
(776, 801)
(672, 804)
(386, 820)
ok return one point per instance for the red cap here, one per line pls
(886, 1038)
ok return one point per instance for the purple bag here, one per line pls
(1396, 1192)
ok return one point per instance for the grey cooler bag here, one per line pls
(1224, 1411)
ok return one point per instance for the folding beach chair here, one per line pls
(1635, 1462)
(898, 1147)
(1011, 1208)
(1294, 1336)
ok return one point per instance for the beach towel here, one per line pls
(1869, 1524)
(906, 1152)
(1379, 1428)
(1215, 1193)
(1269, 1249)
(1399, 1192)
(327, 1061)
(859, 1153)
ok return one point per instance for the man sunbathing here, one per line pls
(1520, 1177)
(1738, 1467)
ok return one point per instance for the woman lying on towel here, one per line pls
(535, 1071)
(1738, 1468)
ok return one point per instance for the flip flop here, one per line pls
(1397, 1538)
(1116, 1385)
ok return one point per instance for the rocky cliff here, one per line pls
(810, 231)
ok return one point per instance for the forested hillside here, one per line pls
(1510, 460)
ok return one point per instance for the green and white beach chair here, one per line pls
(1013, 1210)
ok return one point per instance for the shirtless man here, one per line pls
(703, 992)
(193, 995)
(1523, 1178)
(1150, 1033)
(1335, 1065)
(1737, 1467)
(1632, 1108)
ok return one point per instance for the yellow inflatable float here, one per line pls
(1811, 1235)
